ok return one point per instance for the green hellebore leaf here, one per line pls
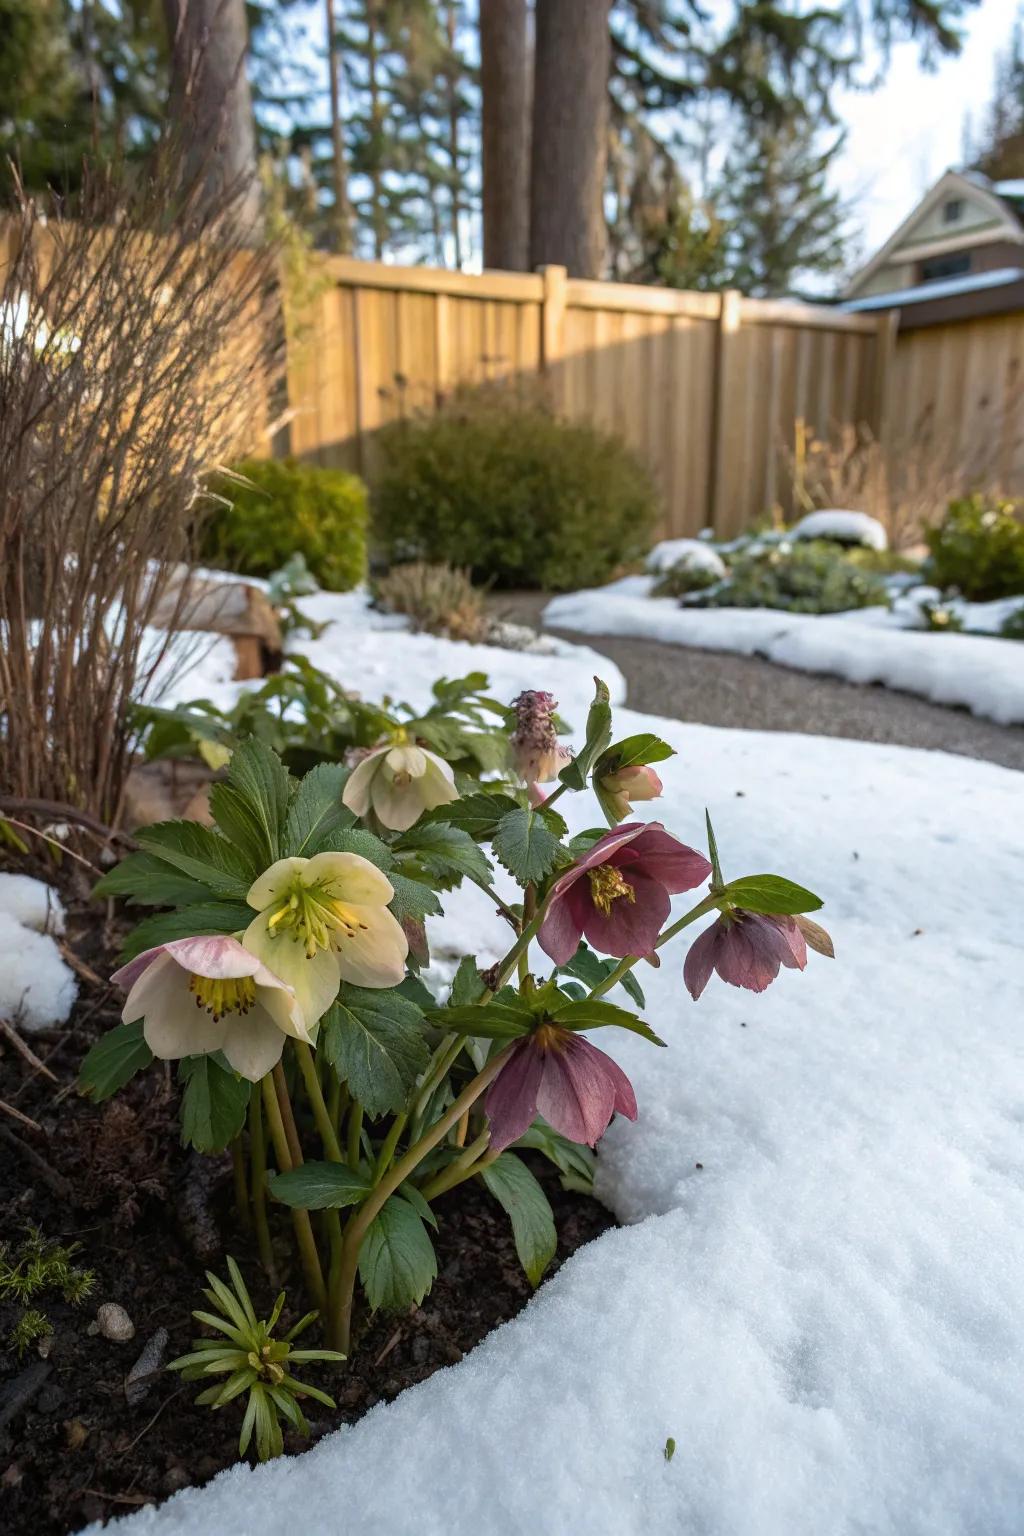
(374, 1041)
(316, 811)
(590, 968)
(441, 847)
(199, 852)
(412, 901)
(186, 923)
(213, 1105)
(716, 868)
(526, 846)
(595, 1013)
(599, 733)
(478, 815)
(486, 1021)
(262, 787)
(632, 752)
(533, 1224)
(771, 894)
(397, 1265)
(319, 1186)
(147, 881)
(113, 1061)
(467, 983)
(574, 1162)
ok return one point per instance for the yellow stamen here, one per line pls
(607, 885)
(315, 918)
(223, 995)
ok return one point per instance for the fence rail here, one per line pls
(706, 387)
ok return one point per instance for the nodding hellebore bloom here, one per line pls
(211, 994)
(325, 920)
(560, 1075)
(618, 791)
(747, 949)
(534, 752)
(399, 781)
(619, 894)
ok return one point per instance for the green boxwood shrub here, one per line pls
(979, 549)
(497, 483)
(815, 576)
(286, 509)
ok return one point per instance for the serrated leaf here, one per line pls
(264, 785)
(214, 1103)
(771, 894)
(147, 881)
(595, 1013)
(525, 846)
(488, 1021)
(186, 923)
(479, 814)
(397, 1265)
(590, 968)
(374, 1040)
(320, 1186)
(239, 823)
(198, 852)
(417, 992)
(357, 840)
(467, 983)
(113, 1061)
(316, 811)
(440, 847)
(633, 751)
(533, 1224)
(575, 1162)
(599, 733)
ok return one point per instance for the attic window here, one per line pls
(952, 212)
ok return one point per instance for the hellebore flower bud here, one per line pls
(534, 752)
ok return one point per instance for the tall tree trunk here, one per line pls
(570, 135)
(452, 82)
(211, 104)
(378, 217)
(341, 213)
(504, 76)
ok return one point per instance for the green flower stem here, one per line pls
(334, 1101)
(464, 1167)
(387, 1151)
(709, 904)
(529, 913)
(321, 1113)
(396, 1175)
(444, 1057)
(520, 947)
(355, 1131)
(300, 1219)
(258, 1159)
(241, 1184)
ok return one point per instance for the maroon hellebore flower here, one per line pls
(748, 948)
(557, 1074)
(619, 894)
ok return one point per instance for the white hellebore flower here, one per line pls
(325, 920)
(211, 994)
(400, 782)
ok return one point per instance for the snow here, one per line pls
(689, 554)
(844, 527)
(31, 903)
(189, 665)
(865, 645)
(37, 988)
(825, 1315)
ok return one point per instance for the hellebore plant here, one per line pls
(283, 973)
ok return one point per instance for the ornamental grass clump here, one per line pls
(282, 966)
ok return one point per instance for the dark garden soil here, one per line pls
(150, 1217)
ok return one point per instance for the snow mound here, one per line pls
(866, 645)
(843, 527)
(818, 1300)
(31, 903)
(37, 988)
(687, 555)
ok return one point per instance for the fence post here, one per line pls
(719, 447)
(886, 331)
(552, 324)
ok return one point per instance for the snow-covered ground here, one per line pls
(865, 645)
(817, 1294)
(377, 656)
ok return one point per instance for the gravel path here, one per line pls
(717, 688)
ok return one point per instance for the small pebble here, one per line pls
(113, 1322)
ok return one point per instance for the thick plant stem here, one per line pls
(438, 1067)
(396, 1175)
(241, 1184)
(462, 1168)
(300, 1219)
(284, 1105)
(321, 1113)
(355, 1133)
(258, 1158)
(388, 1146)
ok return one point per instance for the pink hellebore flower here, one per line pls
(557, 1074)
(400, 782)
(533, 746)
(747, 949)
(210, 994)
(619, 791)
(619, 894)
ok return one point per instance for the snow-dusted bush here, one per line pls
(843, 528)
(810, 577)
(687, 555)
(978, 548)
(288, 963)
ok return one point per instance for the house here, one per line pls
(958, 254)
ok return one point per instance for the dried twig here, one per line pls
(79, 966)
(9, 1032)
(16, 1114)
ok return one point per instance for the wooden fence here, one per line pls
(707, 387)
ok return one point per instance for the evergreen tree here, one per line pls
(1000, 154)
